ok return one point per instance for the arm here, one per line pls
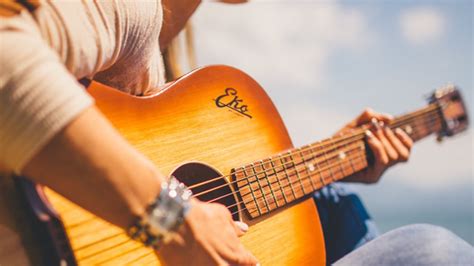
(50, 132)
(91, 164)
(176, 13)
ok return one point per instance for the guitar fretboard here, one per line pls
(276, 181)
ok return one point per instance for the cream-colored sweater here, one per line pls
(43, 54)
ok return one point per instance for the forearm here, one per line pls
(175, 15)
(91, 164)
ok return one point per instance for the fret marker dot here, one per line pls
(310, 167)
(342, 155)
(408, 129)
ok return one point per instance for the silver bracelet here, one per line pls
(164, 216)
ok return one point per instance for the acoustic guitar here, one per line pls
(216, 130)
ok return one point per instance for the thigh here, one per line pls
(420, 244)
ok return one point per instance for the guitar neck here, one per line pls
(279, 180)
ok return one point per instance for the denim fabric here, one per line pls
(417, 245)
(344, 219)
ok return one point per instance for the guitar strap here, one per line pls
(9, 8)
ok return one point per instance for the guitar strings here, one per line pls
(294, 173)
(266, 196)
(321, 144)
(351, 138)
(314, 156)
(298, 183)
(335, 147)
(308, 176)
(294, 168)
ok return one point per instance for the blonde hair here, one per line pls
(179, 56)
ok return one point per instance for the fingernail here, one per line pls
(389, 116)
(381, 124)
(369, 134)
(375, 123)
(242, 226)
(399, 130)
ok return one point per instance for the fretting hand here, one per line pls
(388, 146)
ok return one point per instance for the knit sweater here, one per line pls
(43, 54)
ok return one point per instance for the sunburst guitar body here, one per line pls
(183, 130)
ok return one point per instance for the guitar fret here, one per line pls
(350, 159)
(328, 163)
(428, 124)
(306, 168)
(296, 171)
(362, 155)
(268, 183)
(358, 158)
(317, 167)
(341, 157)
(278, 180)
(288, 177)
(260, 187)
(252, 192)
(417, 129)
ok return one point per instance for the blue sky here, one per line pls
(322, 62)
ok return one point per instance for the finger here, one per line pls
(403, 152)
(238, 228)
(252, 259)
(386, 118)
(241, 228)
(380, 134)
(404, 138)
(368, 114)
(243, 257)
(380, 155)
(345, 130)
(365, 116)
(248, 258)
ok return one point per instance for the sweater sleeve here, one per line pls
(38, 97)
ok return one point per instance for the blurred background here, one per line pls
(322, 62)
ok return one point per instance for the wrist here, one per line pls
(164, 215)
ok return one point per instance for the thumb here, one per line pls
(242, 228)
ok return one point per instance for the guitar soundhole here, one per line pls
(218, 190)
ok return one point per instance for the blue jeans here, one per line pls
(420, 244)
(344, 219)
(348, 228)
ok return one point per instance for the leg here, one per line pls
(345, 221)
(419, 244)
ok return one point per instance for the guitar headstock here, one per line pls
(452, 110)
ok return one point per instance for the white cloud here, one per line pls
(421, 24)
(276, 43)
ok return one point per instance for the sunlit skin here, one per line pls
(91, 164)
